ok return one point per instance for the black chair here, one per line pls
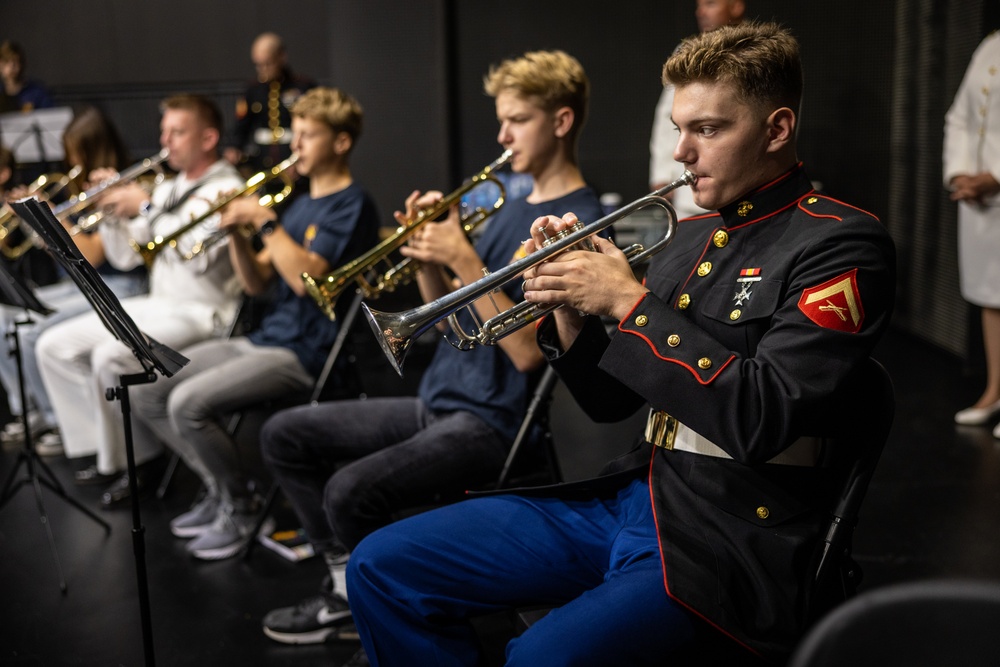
(853, 447)
(928, 623)
(533, 435)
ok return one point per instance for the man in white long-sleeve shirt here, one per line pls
(188, 301)
(663, 168)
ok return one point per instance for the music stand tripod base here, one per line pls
(37, 473)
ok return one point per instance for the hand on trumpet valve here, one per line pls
(245, 211)
(598, 283)
(124, 201)
(443, 242)
(416, 203)
(101, 175)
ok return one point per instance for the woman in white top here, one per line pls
(971, 172)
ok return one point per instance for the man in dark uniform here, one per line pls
(746, 330)
(263, 121)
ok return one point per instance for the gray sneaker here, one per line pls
(198, 519)
(227, 535)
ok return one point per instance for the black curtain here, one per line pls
(934, 42)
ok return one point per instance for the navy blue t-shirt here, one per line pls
(483, 381)
(338, 227)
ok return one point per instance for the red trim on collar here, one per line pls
(769, 215)
(701, 216)
(708, 242)
(779, 179)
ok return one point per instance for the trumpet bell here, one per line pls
(324, 290)
(392, 333)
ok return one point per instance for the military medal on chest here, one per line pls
(747, 278)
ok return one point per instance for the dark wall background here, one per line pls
(417, 69)
(846, 51)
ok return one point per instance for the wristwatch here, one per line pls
(268, 227)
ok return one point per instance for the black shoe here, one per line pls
(91, 475)
(312, 621)
(119, 493)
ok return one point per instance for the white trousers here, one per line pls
(79, 359)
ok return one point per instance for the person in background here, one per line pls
(188, 300)
(263, 134)
(90, 142)
(322, 229)
(23, 94)
(663, 168)
(971, 173)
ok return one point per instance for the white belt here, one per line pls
(264, 136)
(665, 431)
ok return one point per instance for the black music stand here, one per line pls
(36, 136)
(14, 293)
(153, 357)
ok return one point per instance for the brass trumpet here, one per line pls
(45, 187)
(150, 250)
(396, 331)
(326, 289)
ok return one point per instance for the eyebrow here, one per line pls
(703, 119)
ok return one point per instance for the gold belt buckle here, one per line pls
(661, 429)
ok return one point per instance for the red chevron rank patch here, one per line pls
(836, 304)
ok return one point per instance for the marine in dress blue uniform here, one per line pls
(756, 320)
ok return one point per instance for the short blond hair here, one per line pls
(552, 79)
(761, 61)
(331, 106)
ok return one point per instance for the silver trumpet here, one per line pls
(397, 331)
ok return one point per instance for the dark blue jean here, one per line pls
(349, 467)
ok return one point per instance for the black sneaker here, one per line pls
(311, 621)
(359, 659)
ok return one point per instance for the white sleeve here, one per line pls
(662, 166)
